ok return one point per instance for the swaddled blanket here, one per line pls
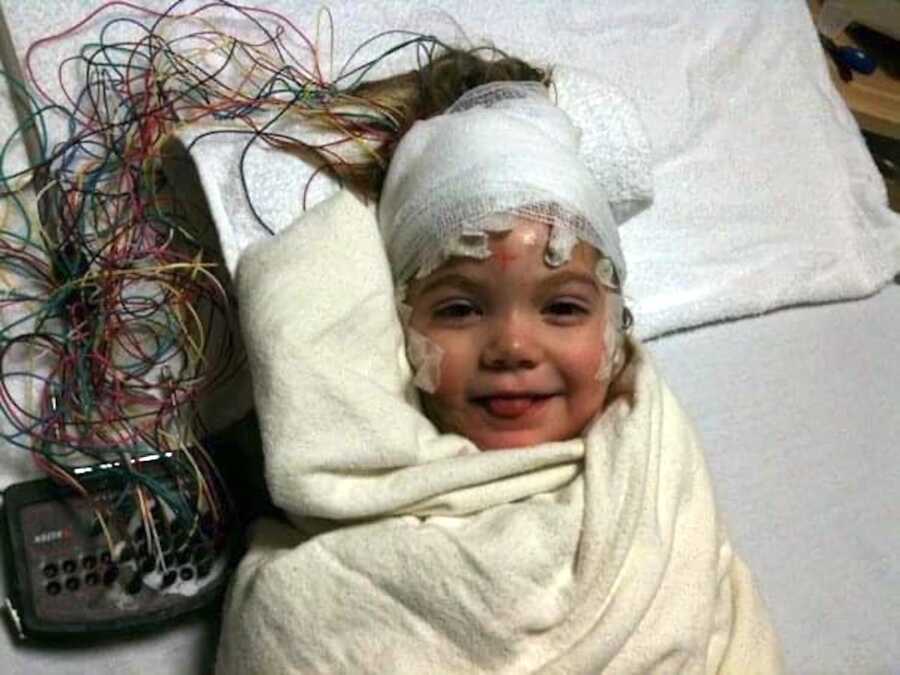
(600, 553)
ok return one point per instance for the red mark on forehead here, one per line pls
(502, 258)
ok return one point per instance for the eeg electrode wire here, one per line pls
(109, 296)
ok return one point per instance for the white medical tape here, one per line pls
(424, 355)
(614, 331)
(513, 151)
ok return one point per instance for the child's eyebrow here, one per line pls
(566, 276)
(451, 279)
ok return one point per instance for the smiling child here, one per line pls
(483, 472)
(525, 351)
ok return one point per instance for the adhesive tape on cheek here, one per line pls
(425, 358)
(617, 362)
(404, 311)
(611, 351)
(605, 273)
(619, 353)
(613, 338)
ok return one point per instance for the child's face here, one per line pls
(523, 342)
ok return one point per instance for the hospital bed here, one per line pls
(761, 278)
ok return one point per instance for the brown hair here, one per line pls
(423, 93)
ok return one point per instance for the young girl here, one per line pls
(484, 473)
(526, 349)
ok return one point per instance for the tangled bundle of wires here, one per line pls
(116, 320)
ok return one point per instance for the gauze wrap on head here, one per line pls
(502, 147)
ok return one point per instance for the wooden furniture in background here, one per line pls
(874, 101)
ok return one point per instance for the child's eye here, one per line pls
(566, 309)
(456, 310)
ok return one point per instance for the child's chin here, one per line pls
(513, 440)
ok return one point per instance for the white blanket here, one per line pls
(597, 553)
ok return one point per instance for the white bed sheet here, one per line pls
(799, 414)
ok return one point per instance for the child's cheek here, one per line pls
(451, 375)
(439, 372)
(445, 405)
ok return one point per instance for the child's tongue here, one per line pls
(509, 407)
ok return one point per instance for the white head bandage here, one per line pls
(502, 147)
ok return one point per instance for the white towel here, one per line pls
(598, 553)
(765, 194)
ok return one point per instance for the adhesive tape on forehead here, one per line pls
(501, 148)
(559, 245)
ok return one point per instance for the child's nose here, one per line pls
(511, 344)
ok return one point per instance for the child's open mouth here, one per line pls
(511, 407)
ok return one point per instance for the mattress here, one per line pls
(799, 414)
